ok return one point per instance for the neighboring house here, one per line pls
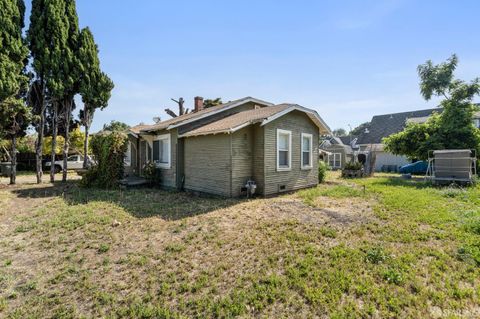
(385, 125)
(218, 149)
(336, 151)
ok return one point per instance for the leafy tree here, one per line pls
(77, 142)
(14, 114)
(360, 129)
(339, 132)
(451, 129)
(116, 126)
(95, 86)
(212, 102)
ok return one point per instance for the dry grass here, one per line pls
(337, 251)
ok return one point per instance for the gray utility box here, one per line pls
(5, 168)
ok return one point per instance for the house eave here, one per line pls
(248, 100)
(323, 127)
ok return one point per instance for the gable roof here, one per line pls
(387, 124)
(264, 115)
(194, 116)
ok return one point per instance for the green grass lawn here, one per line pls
(380, 247)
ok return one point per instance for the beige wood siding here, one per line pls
(258, 158)
(297, 123)
(207, 164)
(242, 159)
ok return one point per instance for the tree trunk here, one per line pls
(40, 133)
(85, 148)
(13, 171)
(87, 121)
(68, 110)
(54, 140)
(39, 146)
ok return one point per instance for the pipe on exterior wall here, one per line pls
(231, 165)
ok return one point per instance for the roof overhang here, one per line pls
(222, 131)
(133, 134)
(322, 126)
(233, 105)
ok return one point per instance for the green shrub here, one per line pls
(354, 166)
(109, 152)
(152, 173)
(322, 171)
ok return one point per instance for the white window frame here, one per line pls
(289, 133)
(169, 154)
(476, 123)
(128, 155)
(310, 139)
(334, 160)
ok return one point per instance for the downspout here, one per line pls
(264, 166)
(231, 166)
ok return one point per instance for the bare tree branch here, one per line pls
(170, 112)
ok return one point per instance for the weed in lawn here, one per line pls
(453, 191)
(393, 276)
(376, 255)
(328, 232)
(103, 248)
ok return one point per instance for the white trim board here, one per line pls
(290, 149)
(301, 109)
(161, 138)
(310, 137)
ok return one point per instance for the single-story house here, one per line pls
(336, 151)
(385, 125)
(218, 149)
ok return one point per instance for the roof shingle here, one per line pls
(231, 122)
(385, 125)
(190, 116)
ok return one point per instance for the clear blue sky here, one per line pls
(348, 60)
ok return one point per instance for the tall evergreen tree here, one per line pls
(95, 86)
(71, 74)
(59, 63)
(38, 36)
(14, 114)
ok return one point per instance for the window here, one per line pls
(284, 147)
(161, 151)
(476, 122)
(306, 151)
(335, 160)
(128, 155)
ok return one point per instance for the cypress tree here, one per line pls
(59, 63)
(71, 74)
(39, 45)
(14, 114)
(95, 86)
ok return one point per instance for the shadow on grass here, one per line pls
(139, 202)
